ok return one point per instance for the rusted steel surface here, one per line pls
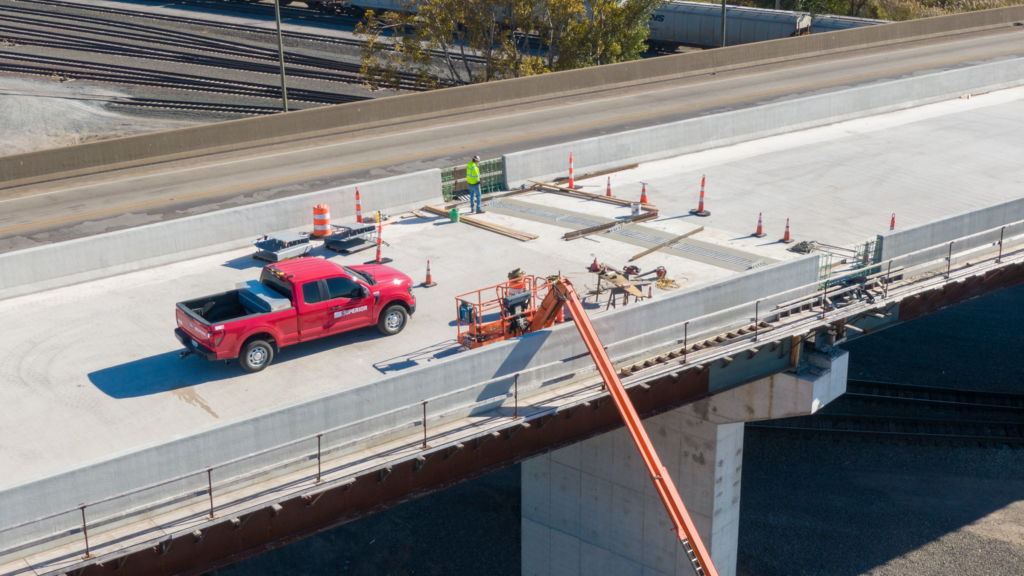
(955, 293)
(226, 542)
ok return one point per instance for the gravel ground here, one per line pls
(39, 112)
(45, 113)
(809, 507)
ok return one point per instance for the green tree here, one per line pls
(466, 41)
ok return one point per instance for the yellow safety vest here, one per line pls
(472, 173)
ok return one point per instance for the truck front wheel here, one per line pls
(256, 355)
(392, 320)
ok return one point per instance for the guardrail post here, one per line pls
(1001, 231)
(209, 484)
(515, 410)
(949, 260)
(686, 326)
(756, 306)
(318, 458)
(425, 425)
(885, 293)
(85, 532)
(824, 299)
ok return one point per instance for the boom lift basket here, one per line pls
(499, 312)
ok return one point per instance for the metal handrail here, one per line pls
(209, 469)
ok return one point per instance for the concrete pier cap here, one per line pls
(589, 509)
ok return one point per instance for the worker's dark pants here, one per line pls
(474, 196)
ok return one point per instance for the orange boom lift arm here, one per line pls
(563, 292)
(528, 304)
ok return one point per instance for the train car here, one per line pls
(829, 23)
(356, 7)
(699, 24)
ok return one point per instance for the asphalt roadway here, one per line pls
(66, 209)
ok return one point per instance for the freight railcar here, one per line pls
(829, 23)
(678, 23)
(699, 24)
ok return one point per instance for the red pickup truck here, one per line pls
(292, 302)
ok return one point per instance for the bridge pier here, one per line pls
(589, 509)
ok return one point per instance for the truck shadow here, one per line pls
(421, 356)
(160, 373)
(166, 372)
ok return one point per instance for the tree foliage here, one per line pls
(444, 42)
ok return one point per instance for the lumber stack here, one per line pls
(497, 228)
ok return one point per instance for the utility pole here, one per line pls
(280, 52)
(723, 23)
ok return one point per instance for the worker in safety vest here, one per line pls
(517, 281)
(473, 179)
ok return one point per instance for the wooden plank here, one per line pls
(666, 243)
(497, 228)
(592, 196)
(599, 173)
(620, 282)
(604, 227)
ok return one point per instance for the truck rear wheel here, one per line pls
(392, 320)
(256, 355)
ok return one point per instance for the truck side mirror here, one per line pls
(365, 291)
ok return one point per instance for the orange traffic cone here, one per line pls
(572, 182)
(625, 298)
(786, 239)
(892, 223)
(429, 282)
(760, 231)
(359, 208)
(650, 292)
(380, 241)
(560, 317)
(700, 211)
(609, 192)
(643, 194)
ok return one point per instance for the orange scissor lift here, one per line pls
(531, 303)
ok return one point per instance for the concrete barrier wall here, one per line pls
(188, 142)
(713, 131)
(486, 373)
(65, 263)
(940, 232)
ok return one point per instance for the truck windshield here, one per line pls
(364, 275)
(276, 284)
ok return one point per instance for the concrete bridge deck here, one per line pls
(101, 355)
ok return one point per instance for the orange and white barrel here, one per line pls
(321, 220)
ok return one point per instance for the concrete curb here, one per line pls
(171, 145)
(104, 255)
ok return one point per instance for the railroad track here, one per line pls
(263, 11)
(202, 106)
(48, 66)
(863, 391)
(917, 399)
(87, 28)
(58, 41)
(882, 428)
